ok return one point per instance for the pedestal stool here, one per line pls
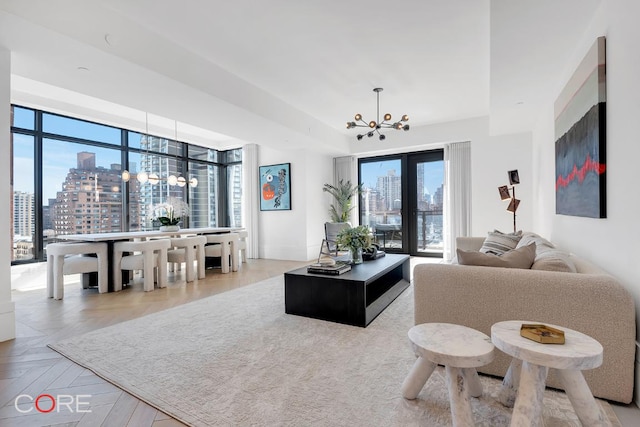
(460, 349)
(524, 384)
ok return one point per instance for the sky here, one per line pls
(433, 174)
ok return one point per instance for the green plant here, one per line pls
(355, 238)
(170, 212)
(343, 194)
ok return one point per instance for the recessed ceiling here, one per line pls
(280, 70)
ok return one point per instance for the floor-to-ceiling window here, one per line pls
(67, 179)
(402, 201)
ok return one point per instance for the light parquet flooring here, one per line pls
(29, 367)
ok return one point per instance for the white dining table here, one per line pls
(111, 238)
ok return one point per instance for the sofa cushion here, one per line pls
(499, 243)
(517, 258)
(554, 260)
(542, 244)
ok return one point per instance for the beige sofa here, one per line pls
(590, 301)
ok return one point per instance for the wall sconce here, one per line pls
(509, 193)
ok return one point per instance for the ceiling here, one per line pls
(289, 73)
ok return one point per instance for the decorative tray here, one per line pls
(542, 333)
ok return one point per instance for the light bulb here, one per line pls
(172, 180)
(193, 182)
(405, 118)
(387, 117)
(126, 175)
(143, 177)
(181, 181)
(153, 178)
(358, 117)
(372, 124)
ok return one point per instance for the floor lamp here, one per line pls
(508, 192)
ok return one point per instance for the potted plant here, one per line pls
(355, 239)
(170, 213)
(343, 194)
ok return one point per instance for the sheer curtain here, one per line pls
(344, 168)
(251, 197)
(457, 195)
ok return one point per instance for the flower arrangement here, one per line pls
(170, 212)
(355, 238)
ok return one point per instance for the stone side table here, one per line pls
(525, 380)
(460, 350)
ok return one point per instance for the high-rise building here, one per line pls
(23, 213)
(91, 199)
(390, 189)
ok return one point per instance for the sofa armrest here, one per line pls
(594, 304)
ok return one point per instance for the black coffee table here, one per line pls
(354, 298)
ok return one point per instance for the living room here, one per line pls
(535, 47)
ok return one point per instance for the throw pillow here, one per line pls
(499, 243)
(554, 260)
(517, 258)
(541, 243)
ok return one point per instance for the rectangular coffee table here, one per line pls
(354, 298)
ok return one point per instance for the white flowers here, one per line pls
(169, 212)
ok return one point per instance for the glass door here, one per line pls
(425, 203)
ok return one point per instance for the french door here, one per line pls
(402, 201)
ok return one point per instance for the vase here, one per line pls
(169, 228)
(356, 255)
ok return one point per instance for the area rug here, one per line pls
(237, 359)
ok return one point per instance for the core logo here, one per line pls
(46, 403)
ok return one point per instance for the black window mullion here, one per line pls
(38, 243)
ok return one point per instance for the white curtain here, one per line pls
(344, 168)
(251, 197)
(457, 195)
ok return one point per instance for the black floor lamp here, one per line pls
(509, 193)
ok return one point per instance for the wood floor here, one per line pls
(28, 367)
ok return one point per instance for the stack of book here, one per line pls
(332, 269)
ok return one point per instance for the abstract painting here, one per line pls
(275, 187)
(580, 132)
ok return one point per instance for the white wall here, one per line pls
(491, 158)
(296, 234)
(612, 243)
(7, 310)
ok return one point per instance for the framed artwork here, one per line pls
(275, 187)
(504, 192)
(580, 131)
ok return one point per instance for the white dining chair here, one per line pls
(187, 250)
(75, 258)
(223, 246)
(243, 236)
(151, 259)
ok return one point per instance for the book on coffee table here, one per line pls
(321, 268)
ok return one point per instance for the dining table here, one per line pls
(89, 279)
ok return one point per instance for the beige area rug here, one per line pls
(237, 359)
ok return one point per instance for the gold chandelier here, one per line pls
(376, 125)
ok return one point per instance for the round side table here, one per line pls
(525, 380)
(460, 350)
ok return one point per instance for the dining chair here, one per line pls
(187, 250)
(243, 235)
(223, 246)
(151, 259)
(75, 258)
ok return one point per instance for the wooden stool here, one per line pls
(460, 350)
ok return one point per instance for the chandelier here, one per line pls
(153, 178)
(376, 125)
